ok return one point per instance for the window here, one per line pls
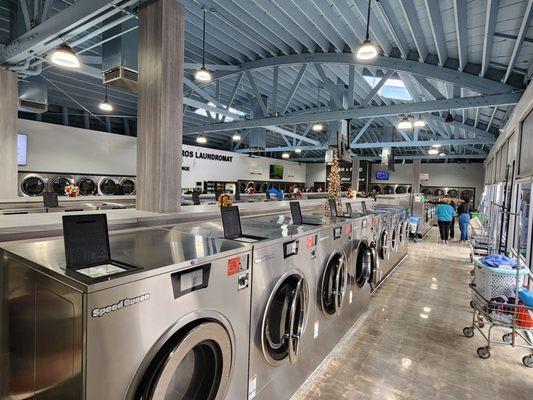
(392, 89)
(203, 112)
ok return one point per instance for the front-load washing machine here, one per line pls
(108, 186)
(282, 306)
(32, 185)
(173, 325)
(59, 183)
(87, 186)
(127, 186)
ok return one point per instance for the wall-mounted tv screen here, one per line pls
(382, 175)
(276, 171)
(22, 149)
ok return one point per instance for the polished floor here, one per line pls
(411, 344)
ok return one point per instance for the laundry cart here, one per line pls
(480, 239)
(501, 303)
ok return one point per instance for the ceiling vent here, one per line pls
(121, 77)
(33, 95)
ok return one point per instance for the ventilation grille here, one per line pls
(32, 106)
(122, 77)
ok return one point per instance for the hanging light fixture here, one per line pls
(64, 56)
(442, 154)
(236, 137)
(317, 126)
(405, 124)
(285, 155)
(203, 74)
(433, 152)
(106, 105)
(436, 145)
(367, 50)
(419, 123)
(297, 150)
(201, 140)
(448, 118)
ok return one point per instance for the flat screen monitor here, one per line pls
(22, 149)
(276, 171)
(382, 175)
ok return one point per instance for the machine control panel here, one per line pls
(290, 248)
(243, 281)
(190, 280)
(337, 232)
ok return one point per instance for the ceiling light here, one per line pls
(201, 140)
(317, 127)
(285, 155)
(64, 56)
(367, 50)
(448, 118)
(419, 123)
(203, 74)
(436, 145)
(236, 137)
(405, 124)
(433, 152)
(442, 154)
(106, 105)
(298, 150)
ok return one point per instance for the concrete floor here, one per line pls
(411, 344)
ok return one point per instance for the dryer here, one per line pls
(32, 185)
(59, 183)
(173, 325)
(87, 185)
(127, 186)
(282, 305)
(108, 186)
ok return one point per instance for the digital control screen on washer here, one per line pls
(188, 281)
(290, 249)
(337, 232)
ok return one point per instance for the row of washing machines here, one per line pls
(35, 184)
(181, 312)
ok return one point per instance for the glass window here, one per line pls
(522, 228)
(526, 156)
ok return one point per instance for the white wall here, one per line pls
(63, 149)
(315, 173)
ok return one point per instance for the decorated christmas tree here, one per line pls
(334, 181)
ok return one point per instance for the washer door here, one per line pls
(87, 187)
(285, 319)
(127, 186)
(193, 365)
(32, 186)
(388, 189)
(108, 186)
(376, 189)
(400, 189)
(394, 239)
(383, 244)
(334, 283)
(363, 265)
(59, 184)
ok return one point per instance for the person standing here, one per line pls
(464, 211)
(445, 214)
(452, 224)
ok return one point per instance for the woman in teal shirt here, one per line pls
(445, 213)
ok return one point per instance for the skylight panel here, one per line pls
(392, 89)
(218, 117)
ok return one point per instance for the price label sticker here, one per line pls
(233, 266)
(311, 241)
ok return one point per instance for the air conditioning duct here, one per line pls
(119, 55)
(33, 95)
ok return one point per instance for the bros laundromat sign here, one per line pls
(206, 156)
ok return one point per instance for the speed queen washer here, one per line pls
(174, 326)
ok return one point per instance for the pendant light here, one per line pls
(203, 74)
(317, 126)
(285, 155)
(64, 56)
(448, 118)
(106, 105)
(236, 137)
(405, 124)
(419, 123)
(297, 150)
(442, 154)
(437, 145)
(367, 50)
(433, 152)
(201, 140)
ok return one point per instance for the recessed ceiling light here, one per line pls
(201, 140)
(285, 155)
(64, 56)
(405, 124)
(236, 137)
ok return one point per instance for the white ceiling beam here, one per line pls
(459, 11)
(435, 22)
(413, 23)
(524, 26)
(490, 26)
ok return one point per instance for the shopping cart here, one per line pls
(494, 303)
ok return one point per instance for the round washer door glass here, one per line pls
(383, 244)
(334, 282)
(127, 186)
(388, 189)
(284, 320)
(59, 184)
(400, 189)
(394, 239)
(32, 186)
(107, 186)
(87, 186)
(195, 365)
(363, 266)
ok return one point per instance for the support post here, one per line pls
(416, 176)
(355, 175)
(8, 134)
(86, 120)
(160, 108)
